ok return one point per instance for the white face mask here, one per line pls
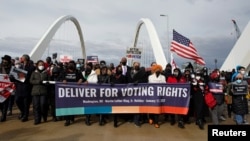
(17, 66)
(197, 77)
(242, 72)
(40, 67)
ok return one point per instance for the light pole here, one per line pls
(162, 15)
(215, 63)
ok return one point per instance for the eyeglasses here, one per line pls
(238, 78)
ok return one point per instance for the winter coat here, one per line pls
(217, 91)
(239, 102)
(36, 79)
(24, 88)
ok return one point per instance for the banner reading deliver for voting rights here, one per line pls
(77, 99)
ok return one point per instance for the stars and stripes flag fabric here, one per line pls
(183, 47)
(6, 87)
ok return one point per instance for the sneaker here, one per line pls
(172, 122)
(9, 113)
(67, 123)
(181, 124)
(245, 122)
(222, 118)
(24, 119)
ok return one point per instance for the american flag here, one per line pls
(183, 47)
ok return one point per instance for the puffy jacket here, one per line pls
(36, 80)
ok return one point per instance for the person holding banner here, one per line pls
(55, 76)
(177, 77)
(125, 68)
(5, 68)
(71, 74)
(137, 75)
(103, 78)
(156, 77)
(216, 88)
(239, 88)
(90, 76)
(117, 78)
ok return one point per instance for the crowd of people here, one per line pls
(35, 90)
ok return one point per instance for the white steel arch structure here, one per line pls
(41, 46)
(154, 39)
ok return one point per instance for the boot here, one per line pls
(67, 123)
(45, 118)
(200, 124)
(172, 122)
(24, 119)
(3, 118)
(115, 124)
(87, 121)
(115, 121)
(101, 120)
(54, 118)
(4, 115)
(72, 118)
(181, 124)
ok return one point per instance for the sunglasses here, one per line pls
(238, 78)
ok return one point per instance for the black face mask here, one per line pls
(157, 73)
(137, 68)
(71, 67)
(217, 79)
(168, 71)
(88, 71)
(118, 72)
(124, 63)
(55, 76)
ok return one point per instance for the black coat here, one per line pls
(239, 103)
(24, 88)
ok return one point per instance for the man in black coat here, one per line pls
(137, 75)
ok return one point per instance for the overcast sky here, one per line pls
(109, 25)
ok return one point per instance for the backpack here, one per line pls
(210, 100)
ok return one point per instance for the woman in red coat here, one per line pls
(177, 77)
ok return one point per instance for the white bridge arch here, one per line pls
(37, 52)
(154, 39)
(39, 49)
